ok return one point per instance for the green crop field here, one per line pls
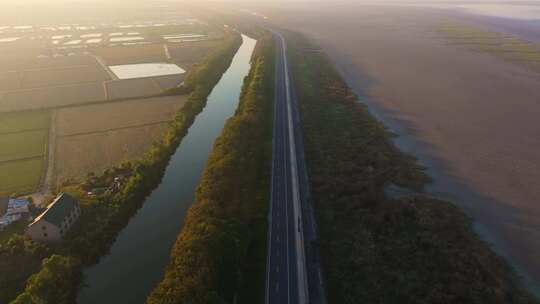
(52, 96)
(24, 139)
(17, 122)
(20, 176)
(23, 145)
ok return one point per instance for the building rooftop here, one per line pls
(58, 210)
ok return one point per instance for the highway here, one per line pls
(289, 270)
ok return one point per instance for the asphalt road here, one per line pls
(287, 275)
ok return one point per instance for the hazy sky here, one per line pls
(273, 1)
(17, 11)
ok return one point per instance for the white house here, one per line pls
(56, 221)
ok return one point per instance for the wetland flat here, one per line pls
(470, 116)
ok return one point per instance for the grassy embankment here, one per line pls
(220, 253)
(103, 217)
(24, 139)
(376, 249)
(501, 45)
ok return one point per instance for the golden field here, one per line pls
(114, 115)
(76, 156)
(95, 137)
(118, 55)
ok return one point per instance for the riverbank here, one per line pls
(220, 253)
(375, 248)
(103, 217)
(127, 274)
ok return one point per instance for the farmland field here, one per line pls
(90, 135)
(168, 82)
(103, 117)
(44, 72)
(51, 97)
(40, 83)
(20, 176)
(131, 54)
(18, 122)
(130, 88)
(102, 150)
(25, 62)
(107, 134)
(23, 145)
(23, 138)
(9, 81)
(51, 82)
(69, 75)
(189, 53)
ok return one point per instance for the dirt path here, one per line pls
(49, 174)
(47, 177)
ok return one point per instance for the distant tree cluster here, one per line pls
(19, 257)
(54, 283)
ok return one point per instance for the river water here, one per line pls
(140, 254)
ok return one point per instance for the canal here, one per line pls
(137, 260)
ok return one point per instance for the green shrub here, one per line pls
(54, 283)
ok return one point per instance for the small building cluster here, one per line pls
(57, 219)
(17, 208)
(110, 189)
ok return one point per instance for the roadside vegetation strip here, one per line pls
(377, 249)
(105, 215)
(220, 253)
